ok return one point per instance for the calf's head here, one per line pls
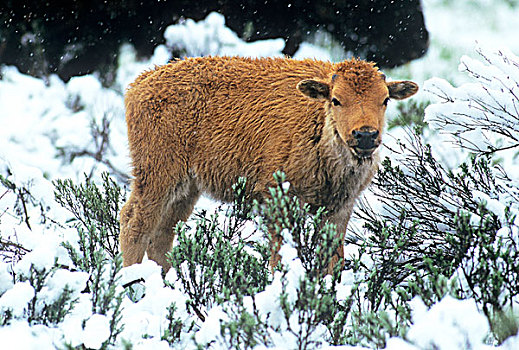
(355, 98)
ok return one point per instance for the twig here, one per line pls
(25, 210)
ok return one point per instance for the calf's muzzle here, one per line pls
(366, 141)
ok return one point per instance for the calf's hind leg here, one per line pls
(177, 207)
(138, 218)
(149, 216)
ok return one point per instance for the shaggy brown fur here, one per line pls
(197, 125)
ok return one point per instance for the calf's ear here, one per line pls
(400, 90)
(314, 89)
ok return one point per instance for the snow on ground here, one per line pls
(46, 132)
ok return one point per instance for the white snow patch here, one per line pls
(17, 298)
(448, 324)
(210, 329)
(97, 331)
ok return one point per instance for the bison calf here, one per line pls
(197, 125)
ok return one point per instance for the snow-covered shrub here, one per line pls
(217, 261)
(173, 330)
(47, 288)
(483, 116)
(483, 119)
(451, 231)
(96, 212)
(226, 277)
(227, 270)
(21, 199)
(34, 298)
(307, 299)
(434, 229)
(211, 37)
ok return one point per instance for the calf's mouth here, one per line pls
(363, 153)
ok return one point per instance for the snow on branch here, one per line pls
(482, 116)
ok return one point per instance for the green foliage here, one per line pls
(316, 242)
(104, 289)
(315, 306)
(504, 324)
(90, 254)
(315, 239)
(39, 309)
(96, 210)
(215, 268)
(244, 330)
(213, 261)
(410, 113)
(42, 310)
(371, 329)
(490, 268)
(310, 306)
(172, 333)
(107, 298)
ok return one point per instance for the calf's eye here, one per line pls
(335, 102)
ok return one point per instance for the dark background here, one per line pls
(78, 37)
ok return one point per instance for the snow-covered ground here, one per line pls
(46, 134)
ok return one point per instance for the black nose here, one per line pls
(365, 138)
